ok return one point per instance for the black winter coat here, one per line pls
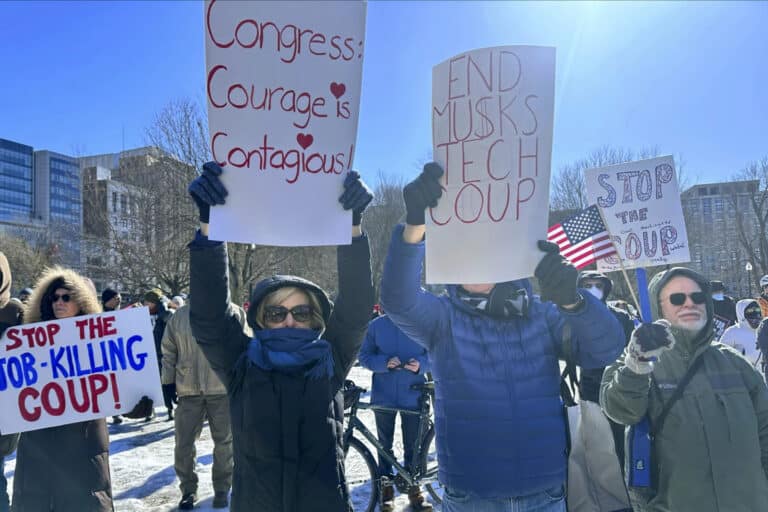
(286, 429)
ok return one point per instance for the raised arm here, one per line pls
(215, 324)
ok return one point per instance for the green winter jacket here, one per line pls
(712, 451)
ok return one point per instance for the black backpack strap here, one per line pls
(658, 423)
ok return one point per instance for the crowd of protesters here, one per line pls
(268, 378)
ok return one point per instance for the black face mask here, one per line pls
(507, 300)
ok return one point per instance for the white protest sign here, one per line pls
(492, 116)
(641, 206)
(283, 87)
(76, 369)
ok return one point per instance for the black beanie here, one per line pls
(107, 295)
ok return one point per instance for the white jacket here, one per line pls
(742, 336)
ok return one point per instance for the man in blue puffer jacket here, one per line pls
(494, 351)
(397, 363)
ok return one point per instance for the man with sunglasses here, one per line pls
(711, 452)
(743, 335)
(493, 349)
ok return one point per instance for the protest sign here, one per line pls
(76, 369)
(283, 88)
(641, 206)
(492, 116)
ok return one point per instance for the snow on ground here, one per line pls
(141, 462)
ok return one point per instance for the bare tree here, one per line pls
(748, 198)
(25, 259)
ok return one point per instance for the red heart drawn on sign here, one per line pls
(305, 140)
(338, 90)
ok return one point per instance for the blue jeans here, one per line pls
(550, 500)
(385, 429)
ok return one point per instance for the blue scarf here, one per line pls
(290, 350)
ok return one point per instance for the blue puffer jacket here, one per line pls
(392, 388)
(498, 413)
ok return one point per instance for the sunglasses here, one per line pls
(65, 297)
(678, 299)
(753, 313)
(276, 314)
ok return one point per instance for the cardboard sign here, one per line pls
(283, 88)
(641, 206)
(492, 115)
(76, 369)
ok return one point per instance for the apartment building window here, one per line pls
(719, 205)
(114, 202)
(123, 204)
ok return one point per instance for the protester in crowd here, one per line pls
(24, 294)
(397, 363)
(285, 382)
(724, 309)
(743, 335)
(600, 285)
(201, 394)
(10, 315)
(494, 352)
(711, 453)
(110, 301)
(155, 300)
(763, 299)
(762, 344)
(66, 467)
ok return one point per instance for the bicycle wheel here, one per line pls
(362, 476)
(429, 466)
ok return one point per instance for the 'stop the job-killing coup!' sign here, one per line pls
(492, 116)
(641, 206)
(76, 369)
(283, 86)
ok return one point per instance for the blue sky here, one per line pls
(687, 77)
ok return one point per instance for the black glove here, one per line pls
(207, 190)
(557, 276)
(422, 193)
(356, 196)
(169, 393)
(647, 344)
(143, 409)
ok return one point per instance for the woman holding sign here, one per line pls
(64, 467)
(284, 383)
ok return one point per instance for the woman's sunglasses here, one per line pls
(276, 314)
(678, 299)
(65, 297)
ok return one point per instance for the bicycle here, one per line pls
(361, 469)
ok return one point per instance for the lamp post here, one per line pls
(748, 268)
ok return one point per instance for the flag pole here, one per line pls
(621, 261)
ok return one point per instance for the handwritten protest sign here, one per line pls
(641, 206)
(283, 87)
(76, 369)
(492, 116)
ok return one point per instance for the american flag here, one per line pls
(582, 237)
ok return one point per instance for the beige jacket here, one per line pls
(183, 362)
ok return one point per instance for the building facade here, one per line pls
(712, 225)
(41, 200)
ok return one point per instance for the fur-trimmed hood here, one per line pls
(80, 290)
(5, 281)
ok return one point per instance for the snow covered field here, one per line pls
(141, 462)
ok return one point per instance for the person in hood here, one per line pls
(284, 382)
(711, 454)
(743, 335)
(397, 363)
(493, 350)
(10, 315)
(24, 295)
(64, 467)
